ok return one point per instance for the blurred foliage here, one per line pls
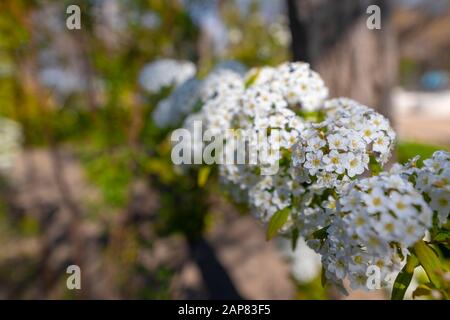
(106, 122)
(312, 290)
(253, 40)
(407, 150)
(409, 72)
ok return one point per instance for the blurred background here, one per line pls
(86, 177)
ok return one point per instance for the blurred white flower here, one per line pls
(172, 110)
(164, 73)
(433, 181)
(151, 20)
(63, 82)
(305, 263)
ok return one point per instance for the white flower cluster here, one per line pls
(164, 73)
(272, 193)
(305, 262)
(301, 87)
(372, 127)
(325, 155)
(63, 81)
(172, 110)
(220, 87)
(339, 148)
(269, 108)
(322, 152)
(10, 141)
(432, 180)
(266, 105)
(375, 222)
(220, 92)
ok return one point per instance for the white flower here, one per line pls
(165, 72)
(354, 164)
(223, 83)
(433, 164)
(298, 155)
(400, 204)
(172, 110)
(381, 143)
(360, 236)
(304, 261)
(365, 128)
(334, 162)
(440, 202)
(315, 144)
(433, 181)
(300, 86)
(375, 201)
(388, 227)
(326, 180)
(313, 161)
(336, 141)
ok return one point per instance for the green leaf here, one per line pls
(429, 261)
(320, 234)
(252, 79)
(203, 175)
(314, 116)
(421, 290)
(403, 279)
(277, 222)
(160, 168)
(442, 236)
(374, 166)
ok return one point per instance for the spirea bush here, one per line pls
(329, 186)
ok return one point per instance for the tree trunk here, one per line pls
(353, 60)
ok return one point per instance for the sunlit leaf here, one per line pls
(403, 279)
(320, 234)
(429, 261)
(421, 291)
(442, 236)
(203, 175)
(277, 221)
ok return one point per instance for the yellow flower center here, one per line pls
(376, 201)
(389, 226)
(443, 202)
(400, 205)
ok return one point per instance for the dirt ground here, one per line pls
(256, 267)
(237, 241)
